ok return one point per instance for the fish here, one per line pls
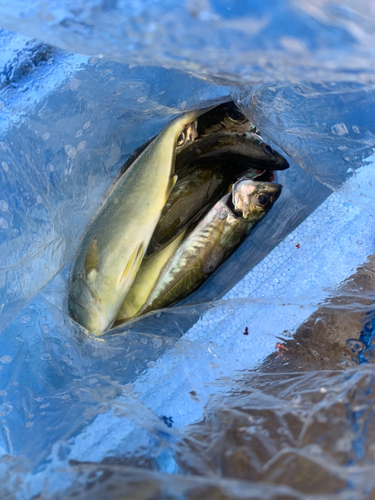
(249, 148)
(113, 247)
(216, 236)
(204, 182)
(201, 184)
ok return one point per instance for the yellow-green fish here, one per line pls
(212, 241)
(112, 248)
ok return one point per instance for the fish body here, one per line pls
(113, 247)
(212, 241)
(248, 147)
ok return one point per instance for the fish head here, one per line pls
(262, 154)
(253, 199)
(86, 307)
(226, 117)
(187, 136)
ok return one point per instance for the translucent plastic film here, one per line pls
(260, 383)
(333, 147)
(225, 40)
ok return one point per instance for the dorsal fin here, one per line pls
(92, 258)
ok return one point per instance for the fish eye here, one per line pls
(263, 200)
(267, 148)
(236, 115)
(181, 138)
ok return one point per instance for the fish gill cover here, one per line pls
(267, 392)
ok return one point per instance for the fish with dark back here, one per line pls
(113, 246)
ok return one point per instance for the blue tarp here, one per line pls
(183, 403)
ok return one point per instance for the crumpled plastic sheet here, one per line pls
(222, 40)
(260, 383)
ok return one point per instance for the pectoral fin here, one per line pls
(132, 266)
(172, 184)
(92, 259)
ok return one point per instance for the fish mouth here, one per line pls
(232, 209)
(86, 307)
(259, 175)
(266, 158)
(265, 176)
(280, 162)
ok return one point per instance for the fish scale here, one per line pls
(190, 267)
